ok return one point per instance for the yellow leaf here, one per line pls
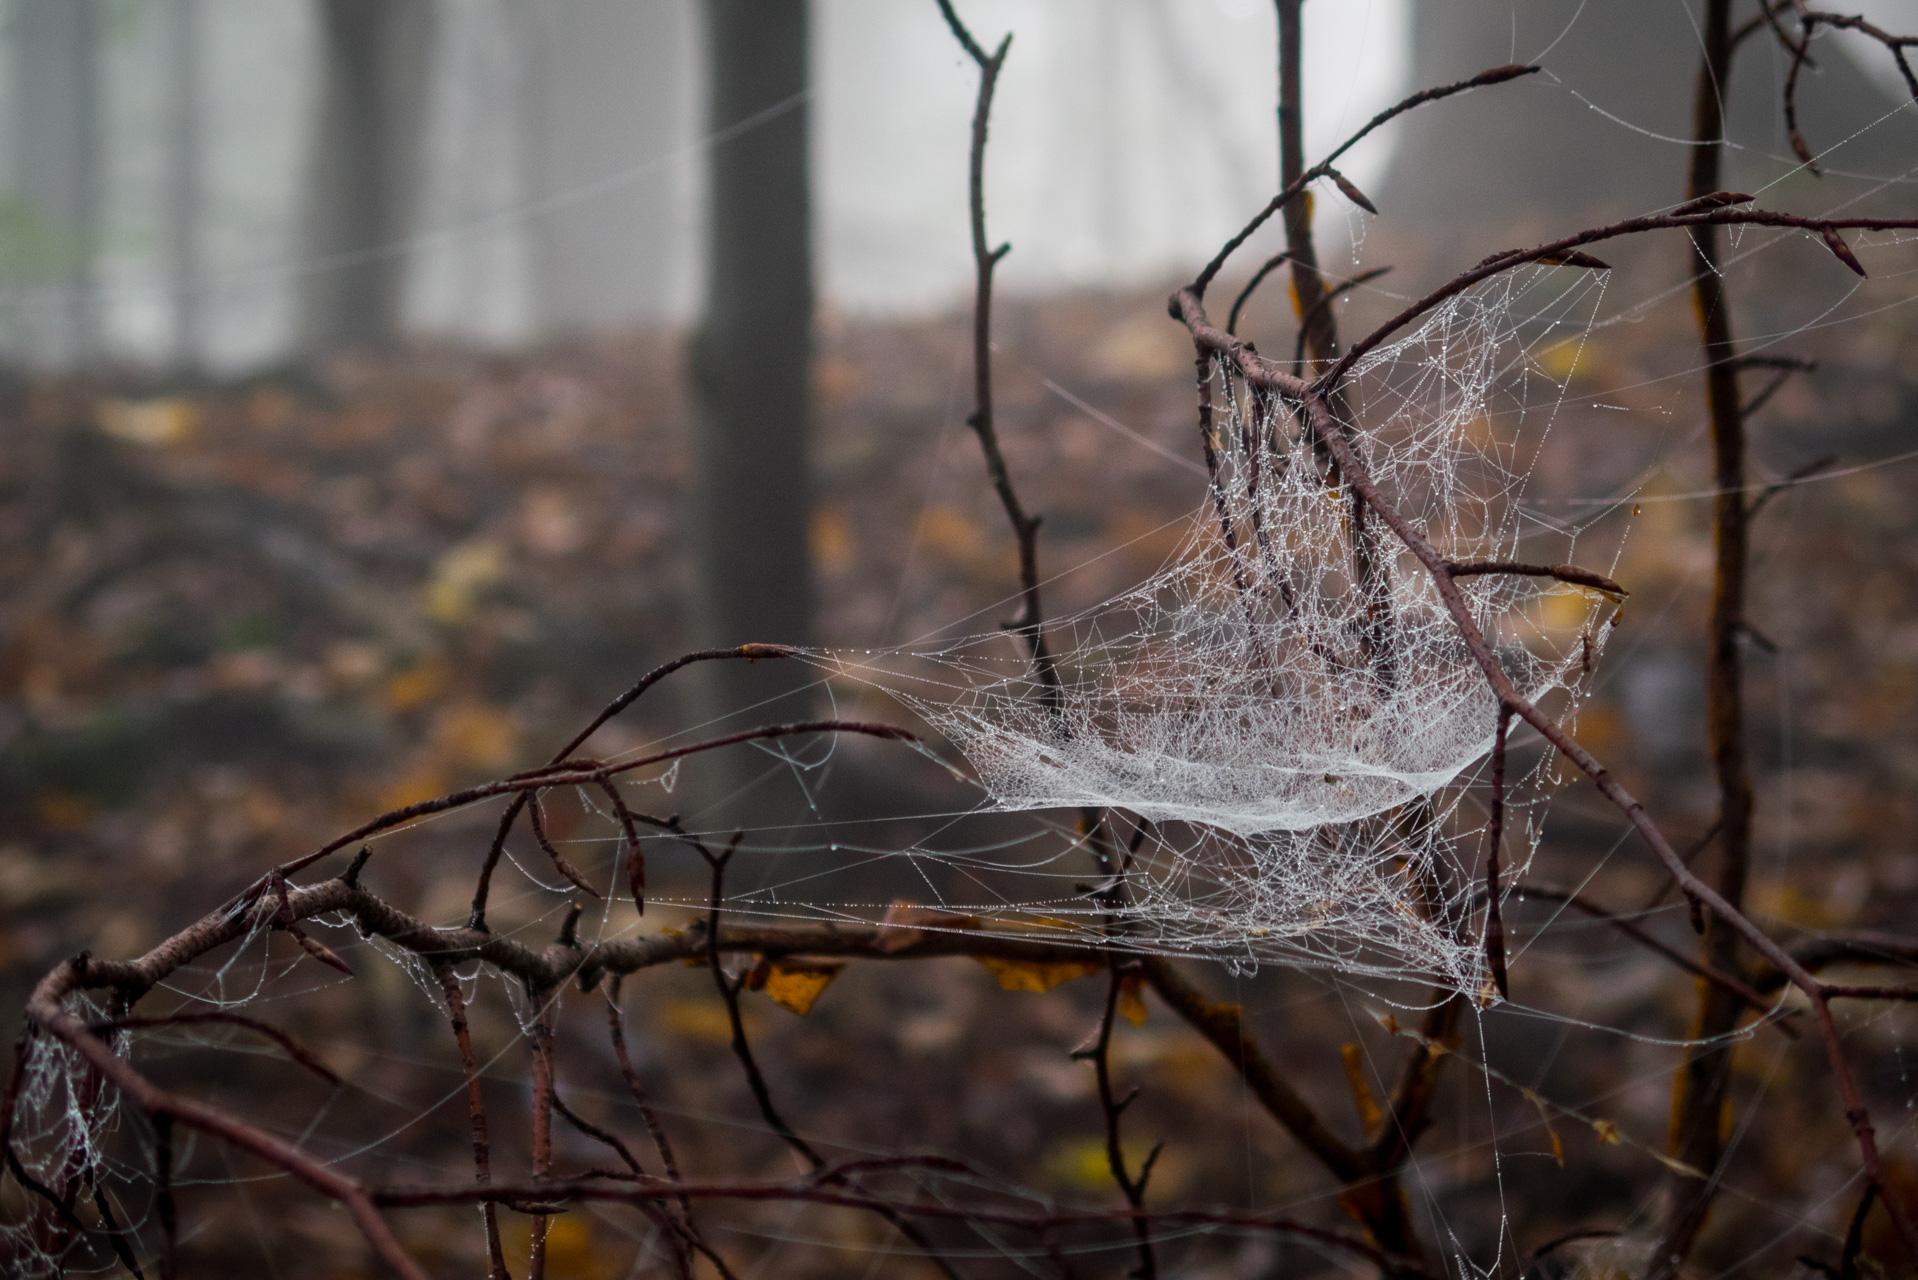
(149, 422)
(1370, 1117)
(947, 530)
(476, 735)
(459, 579)
(831, 538)
(422, 783)
(1027, 975)
(797, 983)
(697, 1020)
(416, 686)
(1545, 1118)
(1132, 999)
(1607, 1132)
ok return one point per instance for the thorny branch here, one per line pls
(1030, 624)
(274, 902)
(746, 652)
(729, 988)
(476, 1110)
(1323, 169)
(1328, 432)
(1703, 1078)
(818, 1191)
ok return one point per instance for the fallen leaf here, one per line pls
(1132, 999)
(795, 984)
(1370, 1116)
(1026, 975)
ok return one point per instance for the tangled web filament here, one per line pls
(1288, 703)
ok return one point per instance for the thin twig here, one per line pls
(1731, 983)
(476, 1112)
(1494, 833)
(1568, 573)
(1030, 624)
(294, 1049)
(1511, 258)
(744, 652)
(1496, 75)
(729, 989)
(619, 1191)
(1113, 1108)
(1327, 431)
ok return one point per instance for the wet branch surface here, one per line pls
(1743, 967)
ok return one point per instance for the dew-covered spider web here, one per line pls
(1287, 705)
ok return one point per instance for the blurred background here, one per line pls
(384, 384)
(525, 171)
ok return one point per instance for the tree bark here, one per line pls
(375, 56)
(1699, 1094)
(751, 358)
(1538, 158)
(57, 79)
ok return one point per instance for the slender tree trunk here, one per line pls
(57, 43)
(1698, 1104)
(751, 358)
(1308, 285)
(375, 57)
(185, 182)
(1533, 159)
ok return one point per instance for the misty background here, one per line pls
(556, 181)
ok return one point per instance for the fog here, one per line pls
(558, 186)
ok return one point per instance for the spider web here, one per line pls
(1286, 705)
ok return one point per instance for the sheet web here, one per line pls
(1286, 705)
(1282, 715)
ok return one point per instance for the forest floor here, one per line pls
(237, 618)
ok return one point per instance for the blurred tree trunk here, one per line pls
(374, 61)
(57, 80)
(1537, 157)
(751, 358)
(185, 173)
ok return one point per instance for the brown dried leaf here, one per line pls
(1027, 975)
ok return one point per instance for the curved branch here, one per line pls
(1496, 75)
(1510, 258)
(1329, 433)
(550, 1194)
(46, 1007)
(1569, 573)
